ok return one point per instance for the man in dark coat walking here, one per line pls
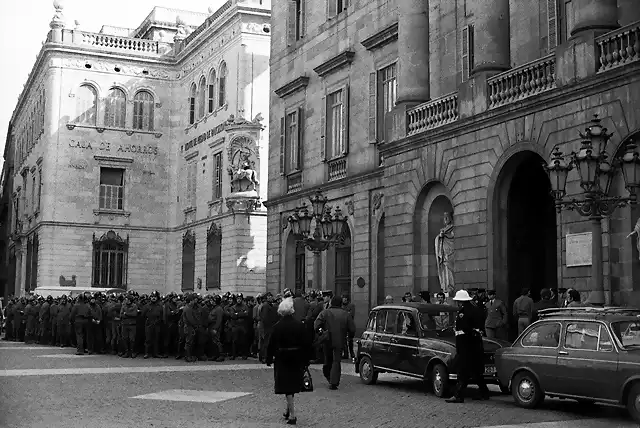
(340, 325)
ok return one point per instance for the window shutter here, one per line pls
(552, 19)
(332, 8)
(283, 145)
(323, 130)
(291, 22)
(345, 120)
(467, 52)
(303, 13)
(300, 147)
(373, 107)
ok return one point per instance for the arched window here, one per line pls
(110, 259)
(202, 97)
(143, 106)
(211, 88)
(115, 109)
(192, 104)
(86, 105)
(222, 85)
(188, 260)
(214, 257)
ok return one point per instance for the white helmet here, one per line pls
(462, 296)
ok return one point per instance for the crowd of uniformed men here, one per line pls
(205, 327)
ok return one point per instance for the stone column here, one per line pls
(598, 15)
(491, 46)
(413, 52)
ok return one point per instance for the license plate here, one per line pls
(490, 370)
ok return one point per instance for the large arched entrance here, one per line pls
(342, 266)
(380, 264)
(525, 245)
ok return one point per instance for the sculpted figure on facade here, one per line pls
(445, 255)
(636, 231)
(245, 179)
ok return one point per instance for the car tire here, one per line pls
(368, 374)
(633, 402)
(526, 390)
(440, 381)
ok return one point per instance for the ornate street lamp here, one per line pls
(328, 229)
(596, 174)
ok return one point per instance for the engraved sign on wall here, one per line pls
(578, 249)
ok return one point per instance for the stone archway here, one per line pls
(428, 219)
(523, 227)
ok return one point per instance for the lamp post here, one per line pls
(327, 231)
(596, 174)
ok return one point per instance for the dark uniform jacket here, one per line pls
(497, 315)
(96, 313)
(338, 322)
(129, 314)
(153, 313)
(45, 313)
(268, 316)
(216, 317)
(63, 315)
(190, 316)
(300, 308)
(239, 313)
(80, 313)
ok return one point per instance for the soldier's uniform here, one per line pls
(19, 321)
(181, 336)
(202, 344)
(170, 318)
(31, 315)
(53, 316)
(45, 321)
(216, 318)
(94, 334)
(191, 322)
(80, 314)
(128, 320)
(63, 322)
(239, 313)
(152, 313)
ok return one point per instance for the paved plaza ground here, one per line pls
(51, 387)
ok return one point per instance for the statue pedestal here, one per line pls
(248, 200)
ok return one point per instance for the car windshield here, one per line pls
(438, 322)
(628, 332)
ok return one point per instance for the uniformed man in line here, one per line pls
(19, 320)
(152, 314)
(112, 318)
(202, 333)
(216, 317)
(191, 322)
(128, 321)
(38, 301)
(63, 321)
(268, 318)
(31, 318)
(239, 313)
(53, 315)
(171, 317)
(95, 339)
(80, 314)
(45, 321)
(181, 335)
(467, 333)
(10, 317)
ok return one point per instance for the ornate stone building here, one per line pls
(402, 111)
(137, 157)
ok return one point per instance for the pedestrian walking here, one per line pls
(338, 325)
(290, 347)
(523, 310)
(468, 353)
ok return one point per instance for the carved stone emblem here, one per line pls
(350, 207)
(377, 201)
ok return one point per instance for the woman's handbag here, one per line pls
(307, 381)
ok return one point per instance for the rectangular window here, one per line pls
(467, 52)
(292, 141)
(336, 126)
(212, 90)
(336, 7)
(217, 176)
(26, 199)
(552, 21)
(39, 189)
(295, 21)
(111, 188)
(384, 95)
(34, 193)
(192, 171)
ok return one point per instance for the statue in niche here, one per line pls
(445, 254)
(243, 156)
(245, 179)
(636, 231)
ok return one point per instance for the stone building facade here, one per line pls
(448, 106)
(139, 155)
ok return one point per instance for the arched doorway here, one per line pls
(342, 266)
(525, 245)
(380, 264)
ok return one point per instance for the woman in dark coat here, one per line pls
(290, 346)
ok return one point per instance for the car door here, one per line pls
(365, 344)
(538, 351)
(380, 346)
(587, 360)
(404, 344)
(386, 355)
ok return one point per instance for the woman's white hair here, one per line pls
(286, 307)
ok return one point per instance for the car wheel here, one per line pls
(526, 390)
(440, 381)
(368, 375)
(633, 402)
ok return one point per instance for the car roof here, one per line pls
(421, 307)
(611, 314)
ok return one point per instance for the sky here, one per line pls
(24, 25)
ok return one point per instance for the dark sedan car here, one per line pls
(416, 340)
(586, 354)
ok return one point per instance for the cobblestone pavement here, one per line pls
(51, 387)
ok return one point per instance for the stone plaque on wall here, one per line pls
(579, 249)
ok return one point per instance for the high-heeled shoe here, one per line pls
(292, 421)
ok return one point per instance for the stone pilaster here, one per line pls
(413, 52)
(491, 36)
(594, 15)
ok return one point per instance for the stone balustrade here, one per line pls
(337, 168)
(619, 47)
(432, 114)
(208, 22)
(113, 43)
(522, 82)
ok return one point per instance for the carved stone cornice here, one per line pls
(112, 159)
(381, 38)
(335, 63)
(292, 87)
